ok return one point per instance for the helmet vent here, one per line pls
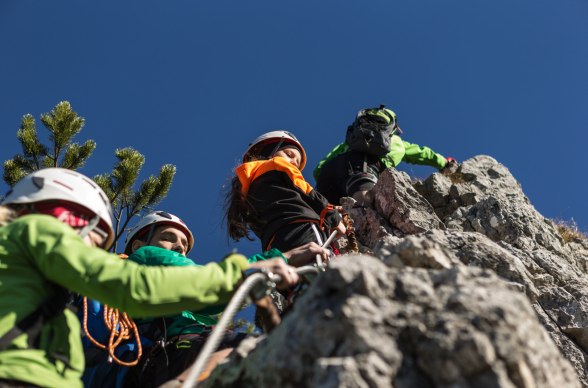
(38, 182)
(104, 199)
(90, 182)
(62, 184)
(164, 215)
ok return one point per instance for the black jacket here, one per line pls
(280, 196)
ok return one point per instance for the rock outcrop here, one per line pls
(467, 285)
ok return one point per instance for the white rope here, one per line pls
(217, 334)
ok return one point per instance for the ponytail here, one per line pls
(238, 212)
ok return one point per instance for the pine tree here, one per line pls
(118, 186)
(63, 124)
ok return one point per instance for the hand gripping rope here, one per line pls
(319, 261)
(257, 285)
(352, 245)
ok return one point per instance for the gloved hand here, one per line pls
(450, 167)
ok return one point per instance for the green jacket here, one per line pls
(38, 251)
(187, 322)
(400, 150)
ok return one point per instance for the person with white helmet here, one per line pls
(158, 239)
(270, 197)
(149, 231)
(372, 144)
(52, 246)
(161, 239)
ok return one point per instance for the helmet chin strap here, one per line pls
(277, 147)
(150, 234)
(90, 227)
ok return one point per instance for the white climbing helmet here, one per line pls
(159, 218)
(60, 184)
(278, 137)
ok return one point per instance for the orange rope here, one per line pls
(121, 328)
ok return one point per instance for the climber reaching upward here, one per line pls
(371, 145)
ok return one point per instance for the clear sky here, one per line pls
(191, 83)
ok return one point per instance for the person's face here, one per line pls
(166, 237)
(291, 154)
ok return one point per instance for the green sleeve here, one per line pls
(62, 257)
(416, 154)
(272, 253)
(397, 151)
(341, 148)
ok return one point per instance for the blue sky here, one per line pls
(191, 83)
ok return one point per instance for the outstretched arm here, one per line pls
(415, 154)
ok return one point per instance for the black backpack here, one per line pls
(370, 133)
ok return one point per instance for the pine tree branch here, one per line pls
(76, 155)
(62, 123)
(126, 171)
(12, 173)
(31, 146)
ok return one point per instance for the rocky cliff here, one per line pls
(461, 283)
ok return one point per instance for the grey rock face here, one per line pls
(482, 196)
(365, 324)
(398, 202)
(398, 211)
(557, 288)
(473, 288)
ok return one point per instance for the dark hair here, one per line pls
(238, 212)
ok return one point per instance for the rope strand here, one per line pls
(121, 328)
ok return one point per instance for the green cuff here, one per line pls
(240, 260)
(275, 252)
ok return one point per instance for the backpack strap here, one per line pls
(33, 323)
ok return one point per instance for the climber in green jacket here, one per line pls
(371, 145)
(55, 243)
